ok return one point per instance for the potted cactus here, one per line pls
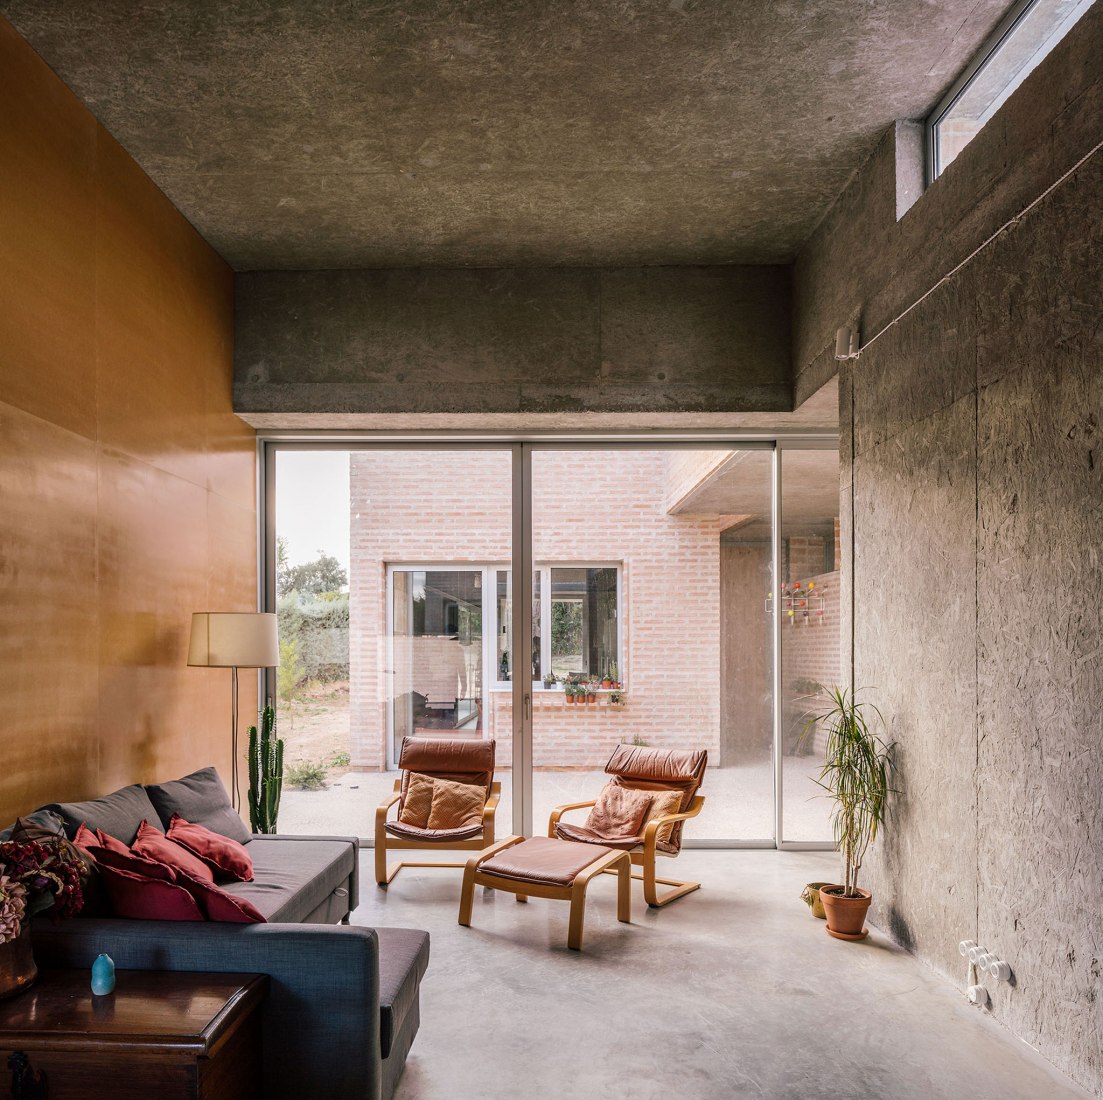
(265, 773)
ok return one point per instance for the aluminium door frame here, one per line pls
(521, 446)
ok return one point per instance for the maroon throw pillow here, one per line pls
(141, 898)
(86, 839)
(135, 864)
(219, 905)
(112, 843)
(226, 857)
(153, 844)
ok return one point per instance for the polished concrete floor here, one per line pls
(733, 991)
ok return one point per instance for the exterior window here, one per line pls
(1031, 29)
(582, 605)
(584, 634)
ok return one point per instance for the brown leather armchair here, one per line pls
(462, 760)
(647, 769)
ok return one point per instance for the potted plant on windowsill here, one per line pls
(569, 691)
(856, 775)
(591, 693)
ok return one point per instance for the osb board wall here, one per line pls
(971, 447)
(126, 483)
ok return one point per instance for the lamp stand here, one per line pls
(235, 794)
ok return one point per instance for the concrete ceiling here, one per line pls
(340, 133)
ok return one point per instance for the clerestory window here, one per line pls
(1028, 32)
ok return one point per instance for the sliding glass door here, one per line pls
(385, 566)
(651, 628)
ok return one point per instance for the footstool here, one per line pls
(541, 867)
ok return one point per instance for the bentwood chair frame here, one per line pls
(645, 855)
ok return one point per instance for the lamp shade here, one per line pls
(234, 640)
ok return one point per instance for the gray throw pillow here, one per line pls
(119, 813)
(201, 799)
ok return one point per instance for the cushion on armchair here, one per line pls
(663, 803)
(618, 812)
(417, 801)
(456, 805)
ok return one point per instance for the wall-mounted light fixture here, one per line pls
(846, 344)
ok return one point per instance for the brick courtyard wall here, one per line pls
(424, 507)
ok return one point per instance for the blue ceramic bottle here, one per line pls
(103, 975)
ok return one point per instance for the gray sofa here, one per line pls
(343, 1006)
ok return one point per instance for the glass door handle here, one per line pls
(528, 705)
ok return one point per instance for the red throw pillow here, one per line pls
(112, 843)
(225, 857)
(86, 839)
(221, 906)
(153, 844)
(141, 898)
(135, 864)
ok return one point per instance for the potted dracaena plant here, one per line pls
(856, 776)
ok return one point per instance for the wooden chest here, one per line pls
(160, 1035)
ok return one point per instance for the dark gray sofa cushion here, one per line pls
(294, 876)
(403, 960)
(119, 813)
(201, 799)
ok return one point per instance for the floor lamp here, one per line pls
(234, 640)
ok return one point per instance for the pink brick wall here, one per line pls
(439, 507)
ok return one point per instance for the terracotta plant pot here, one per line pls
(570, 699)
(606, 683)
(846, 917)
(591, 697)
(17, 968)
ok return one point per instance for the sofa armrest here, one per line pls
(354, 881)
(321, 1018)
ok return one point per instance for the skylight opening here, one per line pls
(1027, 34)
